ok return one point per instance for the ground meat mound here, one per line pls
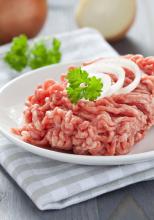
(107, 126)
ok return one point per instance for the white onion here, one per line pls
(100, 68)
(126, 64)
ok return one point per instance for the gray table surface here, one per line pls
(131, 203)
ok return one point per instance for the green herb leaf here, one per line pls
(21, 54)
(40, 55)
(16, 57)
(83, 86)
(93, 89)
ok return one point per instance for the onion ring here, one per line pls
(101, 68)
(125, 63)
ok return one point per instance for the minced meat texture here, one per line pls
(107, 126)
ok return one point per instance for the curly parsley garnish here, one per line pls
(17, 56)
(21, 54)
(40, 55)
(81, 86)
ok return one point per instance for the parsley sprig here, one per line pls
(81, 86)
(17, 56)
(40, 55)
(21, 54)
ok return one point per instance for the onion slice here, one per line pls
(125, 63)
(100, 68)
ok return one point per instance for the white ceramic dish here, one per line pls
(12, 97)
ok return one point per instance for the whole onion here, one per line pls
(112, 18)
(21, 16)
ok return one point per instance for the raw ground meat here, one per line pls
(107, 126)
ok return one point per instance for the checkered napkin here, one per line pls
(54, 185)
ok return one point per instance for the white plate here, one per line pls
(12, 97)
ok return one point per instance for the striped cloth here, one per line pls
(54, 185)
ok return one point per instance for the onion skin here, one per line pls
(21, 17)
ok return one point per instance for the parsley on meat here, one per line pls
(82, 86)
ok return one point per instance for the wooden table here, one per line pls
(131, 203)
